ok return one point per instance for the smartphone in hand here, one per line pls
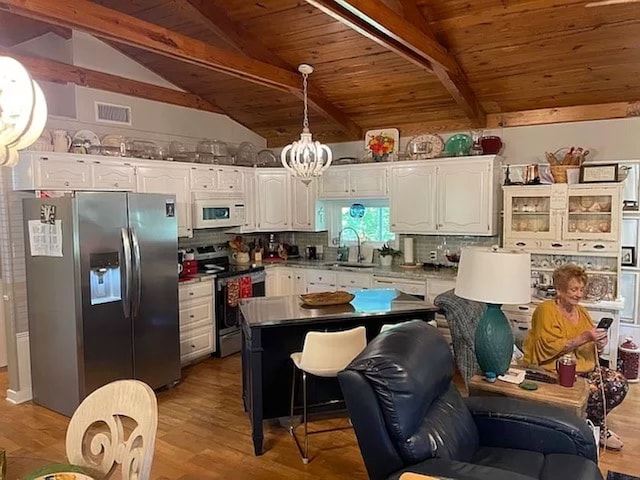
(605, 323)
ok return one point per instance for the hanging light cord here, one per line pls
(305, 122)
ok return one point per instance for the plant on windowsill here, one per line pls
(386, 254)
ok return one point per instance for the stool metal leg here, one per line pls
(305, 458)
(292, 428)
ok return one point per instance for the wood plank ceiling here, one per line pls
(505, 56)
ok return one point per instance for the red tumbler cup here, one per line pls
(566, 368)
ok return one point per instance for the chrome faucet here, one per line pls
(357, 238)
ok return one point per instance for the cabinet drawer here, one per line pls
(195, 290)
(198, 313)
(418, 288)
(350, 280)
(605, 247)
(522, 244)
(321, 276)
(196, 343)
(560, 246)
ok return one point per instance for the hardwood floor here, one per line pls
(204, 434)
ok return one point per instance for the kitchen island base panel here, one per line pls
(267, 367)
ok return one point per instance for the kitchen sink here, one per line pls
(350, 265)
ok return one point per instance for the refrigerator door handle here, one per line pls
(138, 273)
(126, 248)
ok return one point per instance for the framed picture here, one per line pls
(382, 145)
(628, 256)
(597, 173)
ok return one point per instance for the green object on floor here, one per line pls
(494, 341)
(528, 385)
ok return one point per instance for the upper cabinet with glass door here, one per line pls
(528, 215)
(593, 213)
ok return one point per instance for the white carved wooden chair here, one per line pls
(115, 425)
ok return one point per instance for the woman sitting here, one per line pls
(562, 326)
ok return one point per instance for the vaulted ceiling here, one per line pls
(418, 65)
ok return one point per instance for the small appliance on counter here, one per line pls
(271, 254)
(292, 251)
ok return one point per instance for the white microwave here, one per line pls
(215, 211)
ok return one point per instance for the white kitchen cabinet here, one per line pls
(321, 281)
(413, 209)
(203, 178)
(51, 171)
(350, 281)
(410, 286)
(299, 281)
(196, 314)
(279, 281)
(466, 196)
(354, 181)
(230, 180)
(250, 201)
(303, 205)
(273, 200)
(169, 179)
(445, 197)
(108, 175)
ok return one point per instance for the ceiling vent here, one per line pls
(109, 113)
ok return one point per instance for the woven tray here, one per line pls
(325, 299)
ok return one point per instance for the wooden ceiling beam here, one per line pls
(376, 21)
(243, 41)
(110, 24)
(580, 113)
(52, 71)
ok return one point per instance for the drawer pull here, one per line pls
(191, 293)
(599, 246)
(521, 244)
(557, 245)
(193, 346)
(192, 316)
(523, 308)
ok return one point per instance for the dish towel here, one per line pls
(233, 292)
(246, 287)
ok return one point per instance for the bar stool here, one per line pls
(389, 326)
(324, 354)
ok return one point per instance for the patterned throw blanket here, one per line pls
(463, 317)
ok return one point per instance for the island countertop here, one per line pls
(269, 311)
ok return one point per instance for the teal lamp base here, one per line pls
(494, 341)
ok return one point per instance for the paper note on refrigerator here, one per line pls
(45, 239)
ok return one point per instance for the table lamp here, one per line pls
(496, 277)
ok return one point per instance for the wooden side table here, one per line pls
(574, 398)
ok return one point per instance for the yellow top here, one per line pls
(549, 334)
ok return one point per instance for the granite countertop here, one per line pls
(198, 277)
(269, 311)
(443, 273)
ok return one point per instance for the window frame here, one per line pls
(333, 212)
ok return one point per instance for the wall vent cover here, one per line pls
(110, 113)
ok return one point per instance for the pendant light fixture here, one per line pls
(304, 158)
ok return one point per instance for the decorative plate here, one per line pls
(597, 288)
(325, 299)
(83, 136)
(382, 145)
(247, 154)
(458, 145)
(425, 146)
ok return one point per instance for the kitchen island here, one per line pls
(275, 327)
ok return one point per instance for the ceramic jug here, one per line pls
(240, 258)
(61, 141)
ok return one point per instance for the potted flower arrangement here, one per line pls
(381, 146)
(386, 255)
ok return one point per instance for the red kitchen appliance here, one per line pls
(629, 360)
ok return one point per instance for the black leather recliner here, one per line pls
(409, 417)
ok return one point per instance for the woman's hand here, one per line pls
(595, 335)
(602, 343)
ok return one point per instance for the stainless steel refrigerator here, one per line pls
(102, 288)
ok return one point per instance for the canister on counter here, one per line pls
(629, 360)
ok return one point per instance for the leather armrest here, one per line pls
(512, 423)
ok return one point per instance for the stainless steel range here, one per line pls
(232, 282)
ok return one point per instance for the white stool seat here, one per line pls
(323, 354)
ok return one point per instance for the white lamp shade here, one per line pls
(493, 275)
